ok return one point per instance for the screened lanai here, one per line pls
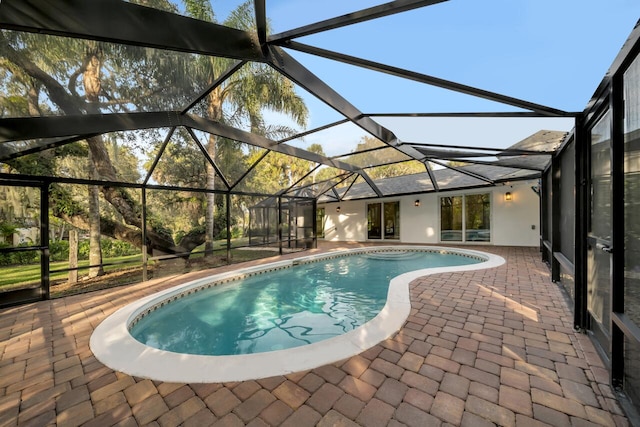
(166, 138)
(147, 138)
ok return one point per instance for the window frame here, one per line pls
(383, 227)
(464, 219)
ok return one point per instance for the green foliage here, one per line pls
(18, 258)
(45, 75)
(392, 162)
(7, 229)
(110, 249)
(199, 9)
(75, 149)
(193, 232)
(236, 233)
(64, 202)
(160, 228)
(58, 250)
(182, 162)
(116, 248)
(34, 164)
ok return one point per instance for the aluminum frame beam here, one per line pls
(292, 186)
(341, 177)
(8, 152)
(163, 147)
(248, 171)
(462, 155)
(372, 184)
(495, 151)
(345, 191)
(209, 159)
(136, 25)
(226, 131)
(221, 79)
(312, 131)
(148, 27)
(260, 9)
(501, 165)
(497, 114)
(25, 128)
(427, 79)
(292, 69)
(432, 177)
(464, 172)
(412, 193)
(452, 154)
(353, 18)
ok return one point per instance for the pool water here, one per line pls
(284, 308)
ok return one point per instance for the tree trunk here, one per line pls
(130, 210)
(211, 200)
(214, 110)
(95, 249)
(92, 87)
(73, 256)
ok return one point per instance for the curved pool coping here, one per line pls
(113, 345)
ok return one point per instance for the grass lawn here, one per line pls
(28, 275)
(17, 276)
(219, 245)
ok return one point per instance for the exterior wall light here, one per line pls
(507, 196)
(338, 209)
(416, 203)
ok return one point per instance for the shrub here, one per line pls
(117, 248)
(59, 250)
(83, 249)
(236, 232)
(110, 248)
(18, 258)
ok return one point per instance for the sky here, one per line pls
(550, 52)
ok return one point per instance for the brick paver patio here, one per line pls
(481, 348)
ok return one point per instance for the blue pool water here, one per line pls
(285, 308)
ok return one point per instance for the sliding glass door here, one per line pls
(465, 218)
(387, 213)
(599, 233)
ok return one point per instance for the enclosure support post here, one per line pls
(314, 216)
(144, 235)
(228, 202)
(617, 282)
(44, 241)
(581, 210)
(555, 218)
(280, 225)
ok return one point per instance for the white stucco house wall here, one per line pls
(514, 222)
(433, 207)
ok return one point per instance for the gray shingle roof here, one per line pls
(505, 168)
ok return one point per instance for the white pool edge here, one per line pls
(113, 345)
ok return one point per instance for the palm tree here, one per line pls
(243, 98)
(48, 82)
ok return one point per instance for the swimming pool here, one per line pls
(271, 315)
(305, 303)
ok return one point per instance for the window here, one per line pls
(392, 220)
(451, 218)
(475, 209)
(477, 217)
(374, 221)
(383, 213)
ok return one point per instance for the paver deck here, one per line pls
(480, 348)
